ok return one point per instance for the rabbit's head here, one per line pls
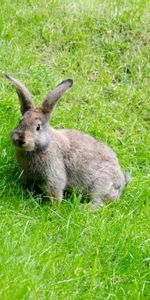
(33, 132)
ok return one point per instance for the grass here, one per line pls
(70, 253)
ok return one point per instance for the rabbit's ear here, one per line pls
(25, 97)
(51, 99)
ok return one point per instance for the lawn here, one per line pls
(69, 252)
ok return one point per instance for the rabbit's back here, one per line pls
(90, 164)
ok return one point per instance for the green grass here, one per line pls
(68, 252)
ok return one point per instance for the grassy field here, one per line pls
(68, 252)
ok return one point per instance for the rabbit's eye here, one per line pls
(38, 127)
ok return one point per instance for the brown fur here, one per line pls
(57, 159)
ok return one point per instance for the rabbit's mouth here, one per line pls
(20, 142)
(23, 147)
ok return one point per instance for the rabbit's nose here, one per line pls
(18, 137)
(21, 141)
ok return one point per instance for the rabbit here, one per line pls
(59, 159)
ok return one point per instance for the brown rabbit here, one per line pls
(57, 159)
